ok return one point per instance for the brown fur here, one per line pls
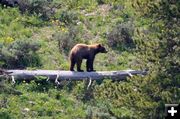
(83, 51)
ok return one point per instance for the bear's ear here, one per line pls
(99, 45)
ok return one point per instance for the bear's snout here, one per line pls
(105, 51)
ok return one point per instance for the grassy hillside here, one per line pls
(138, 34)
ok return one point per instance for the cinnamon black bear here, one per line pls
(83, 51)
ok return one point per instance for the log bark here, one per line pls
(54, 75)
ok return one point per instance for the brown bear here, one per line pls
(83, 51)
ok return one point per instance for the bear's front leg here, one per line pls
(90, 65)
(87, 66)
(79, 66)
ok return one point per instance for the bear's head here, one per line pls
(101, 48)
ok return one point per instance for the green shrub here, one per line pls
(81, 4)
(65, 42)
(43, 8)
(121, 36)
(5, 115)
(68, 17)
(67, 39)
(20, 54)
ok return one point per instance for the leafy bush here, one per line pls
(100, 2)
(5, 115)
(81, 4)
(121, 36)
(67, 39)
(43, 8)
(65, 42)
(158, 51)
(20, 54)
(68, 17)
(15, 25)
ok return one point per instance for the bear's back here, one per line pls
(83, 50)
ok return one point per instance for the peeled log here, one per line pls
(53, 75)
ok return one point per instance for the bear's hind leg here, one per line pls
(72, 65)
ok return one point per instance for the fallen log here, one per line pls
(58, 75)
